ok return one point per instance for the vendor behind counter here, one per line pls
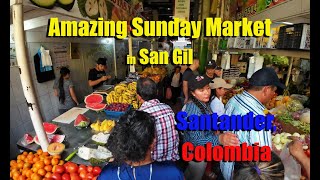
(97, 76)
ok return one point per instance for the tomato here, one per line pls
(66, 176)
(89, 169)
(96, 171)
(82, 168)
(66, 164)
(58, 169)
(89, 176)
(95, 178)
(56, 176)
(74, 176)
(83, 174)
(72, 168)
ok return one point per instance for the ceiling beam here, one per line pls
(43, 21)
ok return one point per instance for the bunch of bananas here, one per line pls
(125, 94)
(105, 126)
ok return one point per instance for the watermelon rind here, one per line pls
(88, 101)
(90, 106)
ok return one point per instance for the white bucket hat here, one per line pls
(218, 83)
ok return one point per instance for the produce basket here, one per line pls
(116, 114)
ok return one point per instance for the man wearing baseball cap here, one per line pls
(210, 70)
(262, 87)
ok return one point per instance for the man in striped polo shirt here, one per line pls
(262, 87)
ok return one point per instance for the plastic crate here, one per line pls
(293, 36)
(116, 114)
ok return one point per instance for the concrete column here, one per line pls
(25, 74)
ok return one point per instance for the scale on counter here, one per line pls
(103, 89)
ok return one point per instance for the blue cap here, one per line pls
(266, 77)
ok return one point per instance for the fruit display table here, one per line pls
(74, 137)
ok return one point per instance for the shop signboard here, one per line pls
(93, 9)
(247, 8)
(182, 9)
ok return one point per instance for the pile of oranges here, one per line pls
(34, 166)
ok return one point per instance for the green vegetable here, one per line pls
(97, 162)
(71, 155)
(286, 117)
(281, 61)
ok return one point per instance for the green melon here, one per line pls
(66, 4)
(48, 4)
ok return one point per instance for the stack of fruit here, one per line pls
(230, 94)
(125, 94)
(118, 107)
(105, 126)
(155, 73)
(41, 165)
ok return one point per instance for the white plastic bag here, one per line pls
(292, 170)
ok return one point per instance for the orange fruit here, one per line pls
(34, 170)
(47, 161)
(55, 161)
(41, 157)
(13, 162)
(48, 175)
(15, 175)
(22, 177)
(29, 173)
(27, 165)
(42, 172)
(24, 171)
(30, 152)
(39, 152)
(61, 162)
(36, 176)
(25, 153)
(48, 168)
(23, 157)
(58, 156)
(30, 156)
(39, 165)
(18, 157)
(20, 165)
(36, 159)
(45, 154)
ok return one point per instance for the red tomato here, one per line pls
(66, 176)
(83, 174)
(96, 171)
(75, 177)
(59, 169)
(89, 169)
(90, 176)
(95, 178)
(82, 168)
(56, 176)
(72, 168)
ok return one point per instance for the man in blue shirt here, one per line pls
(262, 87)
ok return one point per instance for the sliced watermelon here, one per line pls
(93, 98)
(96, 106)
(28, 139)
(81, 121)
(57, 138)
(51, 138)
(50, 128)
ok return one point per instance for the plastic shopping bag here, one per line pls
(292, 169)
